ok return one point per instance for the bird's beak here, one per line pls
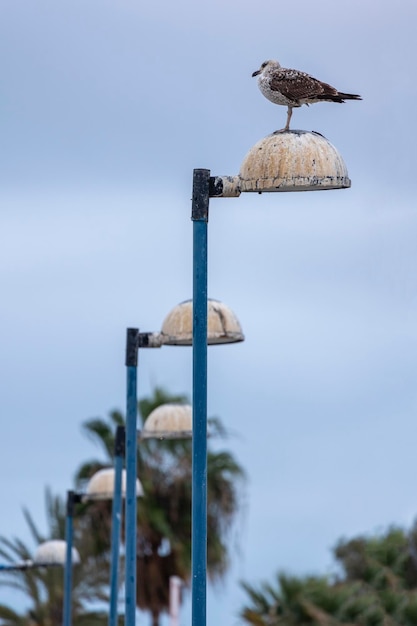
(256, 73)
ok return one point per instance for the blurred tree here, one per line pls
(164, 513)
(377, 587)
(293, 601)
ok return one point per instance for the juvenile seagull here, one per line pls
(292, 88)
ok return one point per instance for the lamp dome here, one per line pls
(169, 421)
(101, 485)
(222, 324)
(54, 553)
(296, 160)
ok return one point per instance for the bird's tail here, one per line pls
(337, 96)
(348, 96)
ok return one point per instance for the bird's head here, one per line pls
(267, 65)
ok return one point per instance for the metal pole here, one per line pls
(119, 452)
(200, 208)
(175, 584)
(71, 499)
(131, 471)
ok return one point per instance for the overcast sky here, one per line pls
(105, 109)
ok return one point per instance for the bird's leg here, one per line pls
(289, 114)
(287, 125)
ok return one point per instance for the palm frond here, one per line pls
(36, 535)
(56, 514)
(9, 617)
(86, 471)
(159, 396)
(101, 433)
(117, 418)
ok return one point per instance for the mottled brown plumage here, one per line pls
(292, 88)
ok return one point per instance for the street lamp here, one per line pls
(284, 161)
(116, 521)
(222, 326)
(168, 421)
(100, 487)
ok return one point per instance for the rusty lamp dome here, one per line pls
(296, 160)
(101, 485)
(169, 421)
(222, 325)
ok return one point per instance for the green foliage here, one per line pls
(378, 587)
(102, 433)
(8, 617)
(160, 396)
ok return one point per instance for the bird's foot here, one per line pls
(282, 130)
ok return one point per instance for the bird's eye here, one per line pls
(264, 64)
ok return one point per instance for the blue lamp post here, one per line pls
(167, 421)
(110, 483)
(199, 215)
(223, 328)
(119, 453)
(103, 485)
(132, 346)
(73, 498)
(291, 161)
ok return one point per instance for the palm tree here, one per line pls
(294, 601)
(164, 513)
(44, 586)
(377, 587)
(384, 570)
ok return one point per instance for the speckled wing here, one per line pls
(297, 86)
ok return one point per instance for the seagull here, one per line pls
(292, 88)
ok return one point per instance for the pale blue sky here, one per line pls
(105, 109)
